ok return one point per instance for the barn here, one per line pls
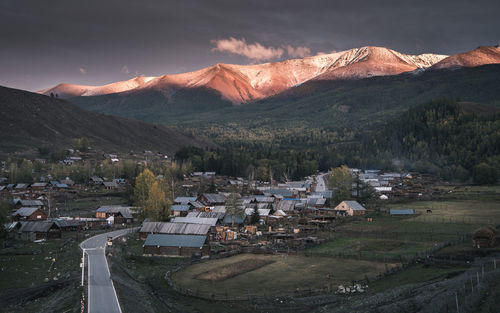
(176, 245)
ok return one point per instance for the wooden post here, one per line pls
(471, 285)
(456, 301)
(477, 275)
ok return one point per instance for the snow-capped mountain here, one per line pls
(245, 83)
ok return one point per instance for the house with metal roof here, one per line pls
(121, 214)
(173, 229)
(29, 214)
(184, 200)
(36, 230)
(211, 199)
(212, 221)
(351, 208)
(176, 245)
(236, 219)
(180, 209)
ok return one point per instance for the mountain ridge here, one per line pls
(246, 83)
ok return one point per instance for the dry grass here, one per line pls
(282, 276)
(234, 269)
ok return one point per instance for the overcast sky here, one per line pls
(93, 42)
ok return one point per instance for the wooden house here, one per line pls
(351, 208)
(173, 229)
(179, 209)
(36, 230)
(29, 214)
(211, 199)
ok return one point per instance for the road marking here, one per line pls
(88, 283)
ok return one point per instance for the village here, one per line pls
(230, 228)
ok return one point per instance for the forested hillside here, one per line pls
(444, 137)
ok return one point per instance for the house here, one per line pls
(176, 245)
(68, 225)
(285, 205)
(184, 200)
(351, 208)
(19, 203)
(35, 230)
(401, 212)
(110, 185)
(263, 213)
(120, 213)
(38, 186)
(94, 180)
(237, 219)
(173, 229)
(29, 214)
(180, 209)
(211, 214)
(211, 199)
(21, 186)
(212, 221)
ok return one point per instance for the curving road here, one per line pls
(101, 291)
(320, 183)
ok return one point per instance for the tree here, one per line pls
(234, 206)
(255, 216)
(485, 174)
(4, 214)
(157, 207)
(143, 184)
(341, 180)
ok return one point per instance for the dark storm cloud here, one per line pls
(95, 42)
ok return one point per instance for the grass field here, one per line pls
(285, 275)
(28, 264)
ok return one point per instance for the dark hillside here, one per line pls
(29, 120)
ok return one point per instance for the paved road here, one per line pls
(101, 291)
(320, 183)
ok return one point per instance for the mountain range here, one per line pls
(246, 83)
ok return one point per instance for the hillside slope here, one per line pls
(30, 120)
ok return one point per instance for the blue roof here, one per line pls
(163, 240)
(180, 207)
(62, 186)
(402, 211)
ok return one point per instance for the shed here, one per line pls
(211, 198)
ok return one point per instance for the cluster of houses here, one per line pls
(208, 218)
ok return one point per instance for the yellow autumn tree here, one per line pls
(157, 206)
(143, 184)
